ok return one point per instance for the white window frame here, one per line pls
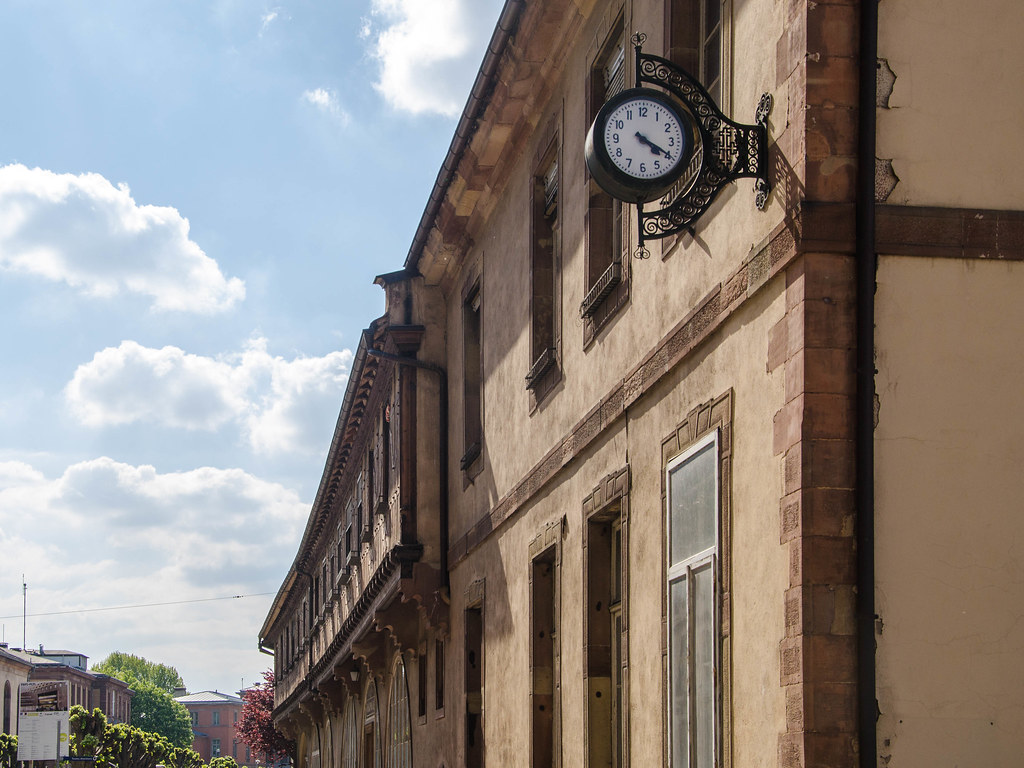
(675, 572)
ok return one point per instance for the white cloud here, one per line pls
(327, 102)
(84, 231)
(429, 51)
(119, 534)
(280, 405)
(267, 19)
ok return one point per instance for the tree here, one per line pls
(123, 746)
(153, 708)
(119, 664)
(255, 727)
(8, 750)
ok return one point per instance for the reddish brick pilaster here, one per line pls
(817, 69)
(814, 437)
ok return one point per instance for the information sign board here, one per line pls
(43, 720)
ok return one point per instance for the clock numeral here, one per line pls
(671, 140)
(629, 162)
(629, 114)
(668, 127)
(642, 111)
(618, 151)
(619, 124)
(657, 165)
(643, 167)
(615, 138)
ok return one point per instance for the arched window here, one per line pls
(7, 707)
(399, 725)
(350, 735)
(371, 752)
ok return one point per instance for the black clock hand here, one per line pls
(654, 147)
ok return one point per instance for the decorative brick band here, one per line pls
(815, 227)
(961, 233)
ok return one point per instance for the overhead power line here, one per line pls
(141, 605)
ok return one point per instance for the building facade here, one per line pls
(214, 718)
(747, 501)
(89, 689)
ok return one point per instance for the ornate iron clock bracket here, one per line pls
(726, 151)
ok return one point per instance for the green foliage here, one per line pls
(127, 747)
(120, 665)
(8, 750)
(223, 762)
(87, 731)
(184, 758)
(155, 711)
(153, 708)
(123, 746)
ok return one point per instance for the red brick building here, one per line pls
(89, 689)
(214, 717)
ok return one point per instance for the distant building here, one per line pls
(91, 690)
(214, 717)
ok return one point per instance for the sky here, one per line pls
(195, 196)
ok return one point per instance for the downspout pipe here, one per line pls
(864, 495)
(443, 439)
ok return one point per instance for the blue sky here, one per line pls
(194, 199)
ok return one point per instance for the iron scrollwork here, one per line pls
(726, 151)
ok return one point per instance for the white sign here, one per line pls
(43, 720)
(39, 734)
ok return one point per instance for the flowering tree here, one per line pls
(255, 727)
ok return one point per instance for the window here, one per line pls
(365, 524)
(473, 674)
(544, 273)
(371, 752)
(421, 683)
(214, 747)
(7, 708)
(350, 735)
(439, 674)
(607, 271)
(216, 717)
(399, 726)
(195, 719)
(385, 455)
(472, 392)
(692, 521)
(605, 646)
(544, 650)
(696, 41)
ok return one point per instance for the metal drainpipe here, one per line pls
(442, 436)
(867, 262)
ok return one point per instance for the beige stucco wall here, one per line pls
(734, 359)
(12, 674)
(954, 117)
(664, 288)
(949, 529)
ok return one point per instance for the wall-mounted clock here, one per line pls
(639, 144)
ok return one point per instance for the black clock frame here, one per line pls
(613, 179)
(725, 151)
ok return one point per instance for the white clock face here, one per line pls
(644, 138)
